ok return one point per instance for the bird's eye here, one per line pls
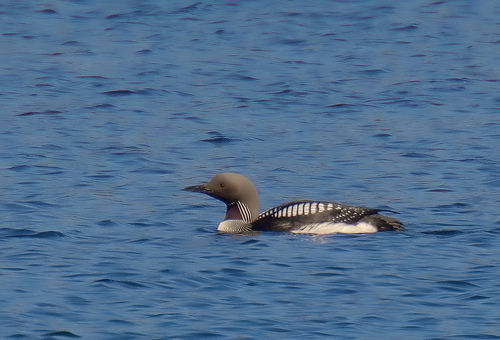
(222, 185)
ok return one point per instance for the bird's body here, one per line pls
(299, 217)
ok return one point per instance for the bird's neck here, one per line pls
(233, 213)
(238, 211)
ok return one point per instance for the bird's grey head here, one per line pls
(237, 191)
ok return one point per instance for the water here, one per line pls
(108, 109)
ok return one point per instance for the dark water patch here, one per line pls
(372, 71)
(234, 272)
(415, 155)
(444, 232)
(63, 334)
(122, 323)
(251, 241)
(151, 91)
(84, 53)
(191, 19)
(238, 76)
(327, 274)
(440, 190)
(217, 138)
(46, 112)
(124, 16)
(103, 175)
(292, 14)
(149, 73)
(116, 16)
(107, 223)
(19, 208)
(452, 206)
(184, 94)
(435, 3)
(102, 106)
(406, 28)
(48, 234)
(153, 170)
(144, 92)
(456, 285)
(52, 173)
(341, 291)
(41, 204)
(477, 297)
(47, 11)
(141, 240)
(495, 230)
(140, 224)
(400, 102)
(92, 77)
(128, 150)
(9, 232)
(301, 62)
(241, 263)
(386, 100)
(53, 147)
(71, 43)
(187, 9)
(49, 54)
(420, 321)
(19, 336)
(277, 264)
(485, 336)
(451, 88)
(200, 335)
(78, 301)
(382, 135)
(292, 41)
(291, 93)
(385, 9)
(119, 93)
(127, 283)
(206, 230)
(340, 105)
(493, 183)
(19, 168)
(20, 233)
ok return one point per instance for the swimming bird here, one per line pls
(300, 217)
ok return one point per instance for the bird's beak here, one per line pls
(198, 188)
(205, 190)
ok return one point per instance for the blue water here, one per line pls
(107, 109)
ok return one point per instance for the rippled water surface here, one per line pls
(109, 108)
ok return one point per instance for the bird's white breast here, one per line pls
(233, 226)
(324, 228)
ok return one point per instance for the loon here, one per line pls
(299, 217)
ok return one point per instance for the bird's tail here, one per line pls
(383, 222)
